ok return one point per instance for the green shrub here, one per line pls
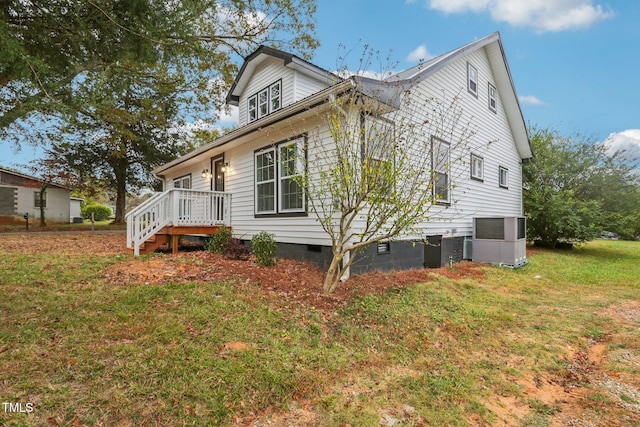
(100, 212)
(218, 241)
(264, 246)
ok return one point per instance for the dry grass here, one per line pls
(91, 336)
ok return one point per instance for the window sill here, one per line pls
(281, 215)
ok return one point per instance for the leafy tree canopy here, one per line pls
(108, 84)
(574, 188)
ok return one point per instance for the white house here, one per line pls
(238, 179)
(20, 195)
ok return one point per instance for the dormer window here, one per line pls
(275, 96)
(253, 108)
(493, 98)
(265, 102)
(472, 79)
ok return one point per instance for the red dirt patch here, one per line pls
(287, 282)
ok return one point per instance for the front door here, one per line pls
(218, 174)
(217, 184)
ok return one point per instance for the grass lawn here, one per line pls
(556, 342)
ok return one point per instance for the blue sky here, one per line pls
(575, 63)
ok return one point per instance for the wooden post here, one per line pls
(92, 221)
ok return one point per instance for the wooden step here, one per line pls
(169, 236)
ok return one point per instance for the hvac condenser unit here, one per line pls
(501, 241)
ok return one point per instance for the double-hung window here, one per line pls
(477, 167)
(503, 177)
(182, 182)
(266, 101)
(493, 98)
(472, 79)
(252, 106)
(275, 96)
(263, 103)
(440, 158)
(378, 152)
(266, 181)
(291, 157)
(278, 173)
(36, 199)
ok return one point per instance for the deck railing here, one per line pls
(176, 207)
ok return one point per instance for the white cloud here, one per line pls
(541, 15)
(231, 116)
(419, 54)
(628, 140)
(529, 100)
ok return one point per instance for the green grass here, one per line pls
(434, 353)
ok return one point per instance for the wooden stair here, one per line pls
(168, 236)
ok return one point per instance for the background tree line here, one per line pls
(576, 187)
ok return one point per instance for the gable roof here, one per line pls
(504, 82)
(387, 91)
(290, 60)
(26, 177)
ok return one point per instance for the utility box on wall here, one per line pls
(501, 241)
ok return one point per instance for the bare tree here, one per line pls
(383, 157)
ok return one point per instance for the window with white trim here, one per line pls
(279, 169)
(440, 160)
(266, 101)
(265, 181)
(472, 79)
(503, 177)
(182, 182)
(477, 167)
(493, 98)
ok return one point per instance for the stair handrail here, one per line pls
(174, 207)
(148, 218)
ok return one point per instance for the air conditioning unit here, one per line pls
(501, 241)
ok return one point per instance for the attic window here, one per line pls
(472, 79)
(493, 98)
(265, 102)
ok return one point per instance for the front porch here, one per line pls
(167, 215)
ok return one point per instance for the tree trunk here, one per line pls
(43, 189)
(121, 194)
(333, 275)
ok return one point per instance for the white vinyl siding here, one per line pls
(492, 141)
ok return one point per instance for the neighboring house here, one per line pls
(281, 97)
(20, 195)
